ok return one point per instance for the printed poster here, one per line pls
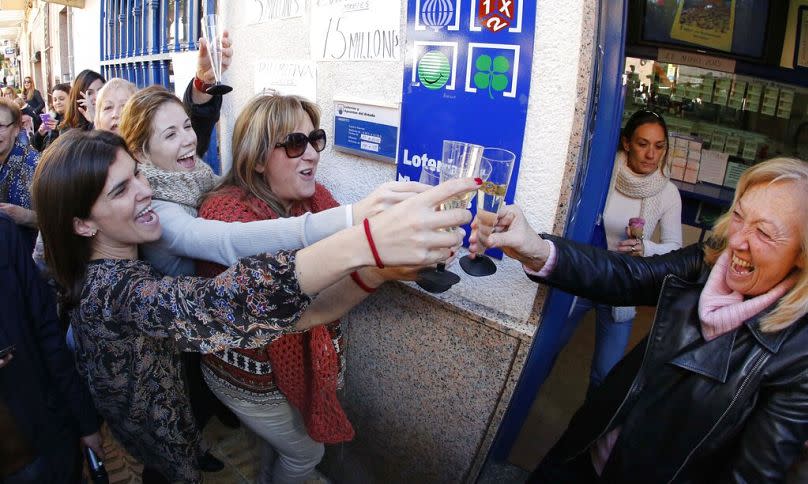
(708, 23)
(466, 78)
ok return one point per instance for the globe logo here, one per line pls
(437, 14)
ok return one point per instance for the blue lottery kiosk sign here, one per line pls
(466, 78)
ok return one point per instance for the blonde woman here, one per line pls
(717, 391)
(109, 103)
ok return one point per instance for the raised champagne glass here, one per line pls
(460, 160)
(212, 32)
(435, 280)
(489, 198)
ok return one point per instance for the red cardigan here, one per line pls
(305, 367)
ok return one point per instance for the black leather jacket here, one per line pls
(734, 409)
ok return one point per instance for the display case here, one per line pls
(719, 124)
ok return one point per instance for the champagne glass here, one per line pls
(499, 163)
(212, 32)
(460, 160)
(435, 280)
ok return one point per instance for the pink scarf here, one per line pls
(721, 309)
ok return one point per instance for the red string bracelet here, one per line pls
(201, 85)
(375, 252)
(359, 282)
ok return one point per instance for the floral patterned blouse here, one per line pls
(132, 323)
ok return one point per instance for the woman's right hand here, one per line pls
(47, 126)
(513, 234)
(408, 233)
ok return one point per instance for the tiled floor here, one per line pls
(235, 447)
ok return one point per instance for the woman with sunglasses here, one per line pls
(32, 95)
(286, 393)
(158, 132)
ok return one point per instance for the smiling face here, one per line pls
(121, 217)
(172, 144)
(59, 101)
(645, 148)
(434, 69)
(8, 133)
(765, 237)
(92, 90)
(292, 179)
(109, 112)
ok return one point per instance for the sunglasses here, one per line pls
(295, 143)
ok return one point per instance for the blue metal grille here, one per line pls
(139, 36)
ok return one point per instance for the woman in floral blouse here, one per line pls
(131, 322)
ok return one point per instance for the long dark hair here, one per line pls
(73, 118)
(69, 178)
(639, 118)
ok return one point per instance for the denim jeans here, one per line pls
(611, 338)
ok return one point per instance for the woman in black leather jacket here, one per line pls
(718, 390)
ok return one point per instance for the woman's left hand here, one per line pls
(204, 69)
(633, 247)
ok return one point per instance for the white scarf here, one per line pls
(648, 188)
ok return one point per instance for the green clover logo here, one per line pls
(491, 75)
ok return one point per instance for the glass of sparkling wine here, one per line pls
(435, 280)
(499, 162)
(460, 160)
(212, 29)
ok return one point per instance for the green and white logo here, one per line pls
(433, 69)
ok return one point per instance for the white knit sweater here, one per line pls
(186, 237)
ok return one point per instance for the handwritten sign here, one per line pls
(261, 11)
(286, 77)
(355, 30)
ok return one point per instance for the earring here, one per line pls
(93, 234)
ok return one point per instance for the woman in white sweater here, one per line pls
(640, 191)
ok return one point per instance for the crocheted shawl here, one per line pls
(182, 187)
(17, 173)
(305, 366)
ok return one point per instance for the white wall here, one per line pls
(549, 126)
(87, 37)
